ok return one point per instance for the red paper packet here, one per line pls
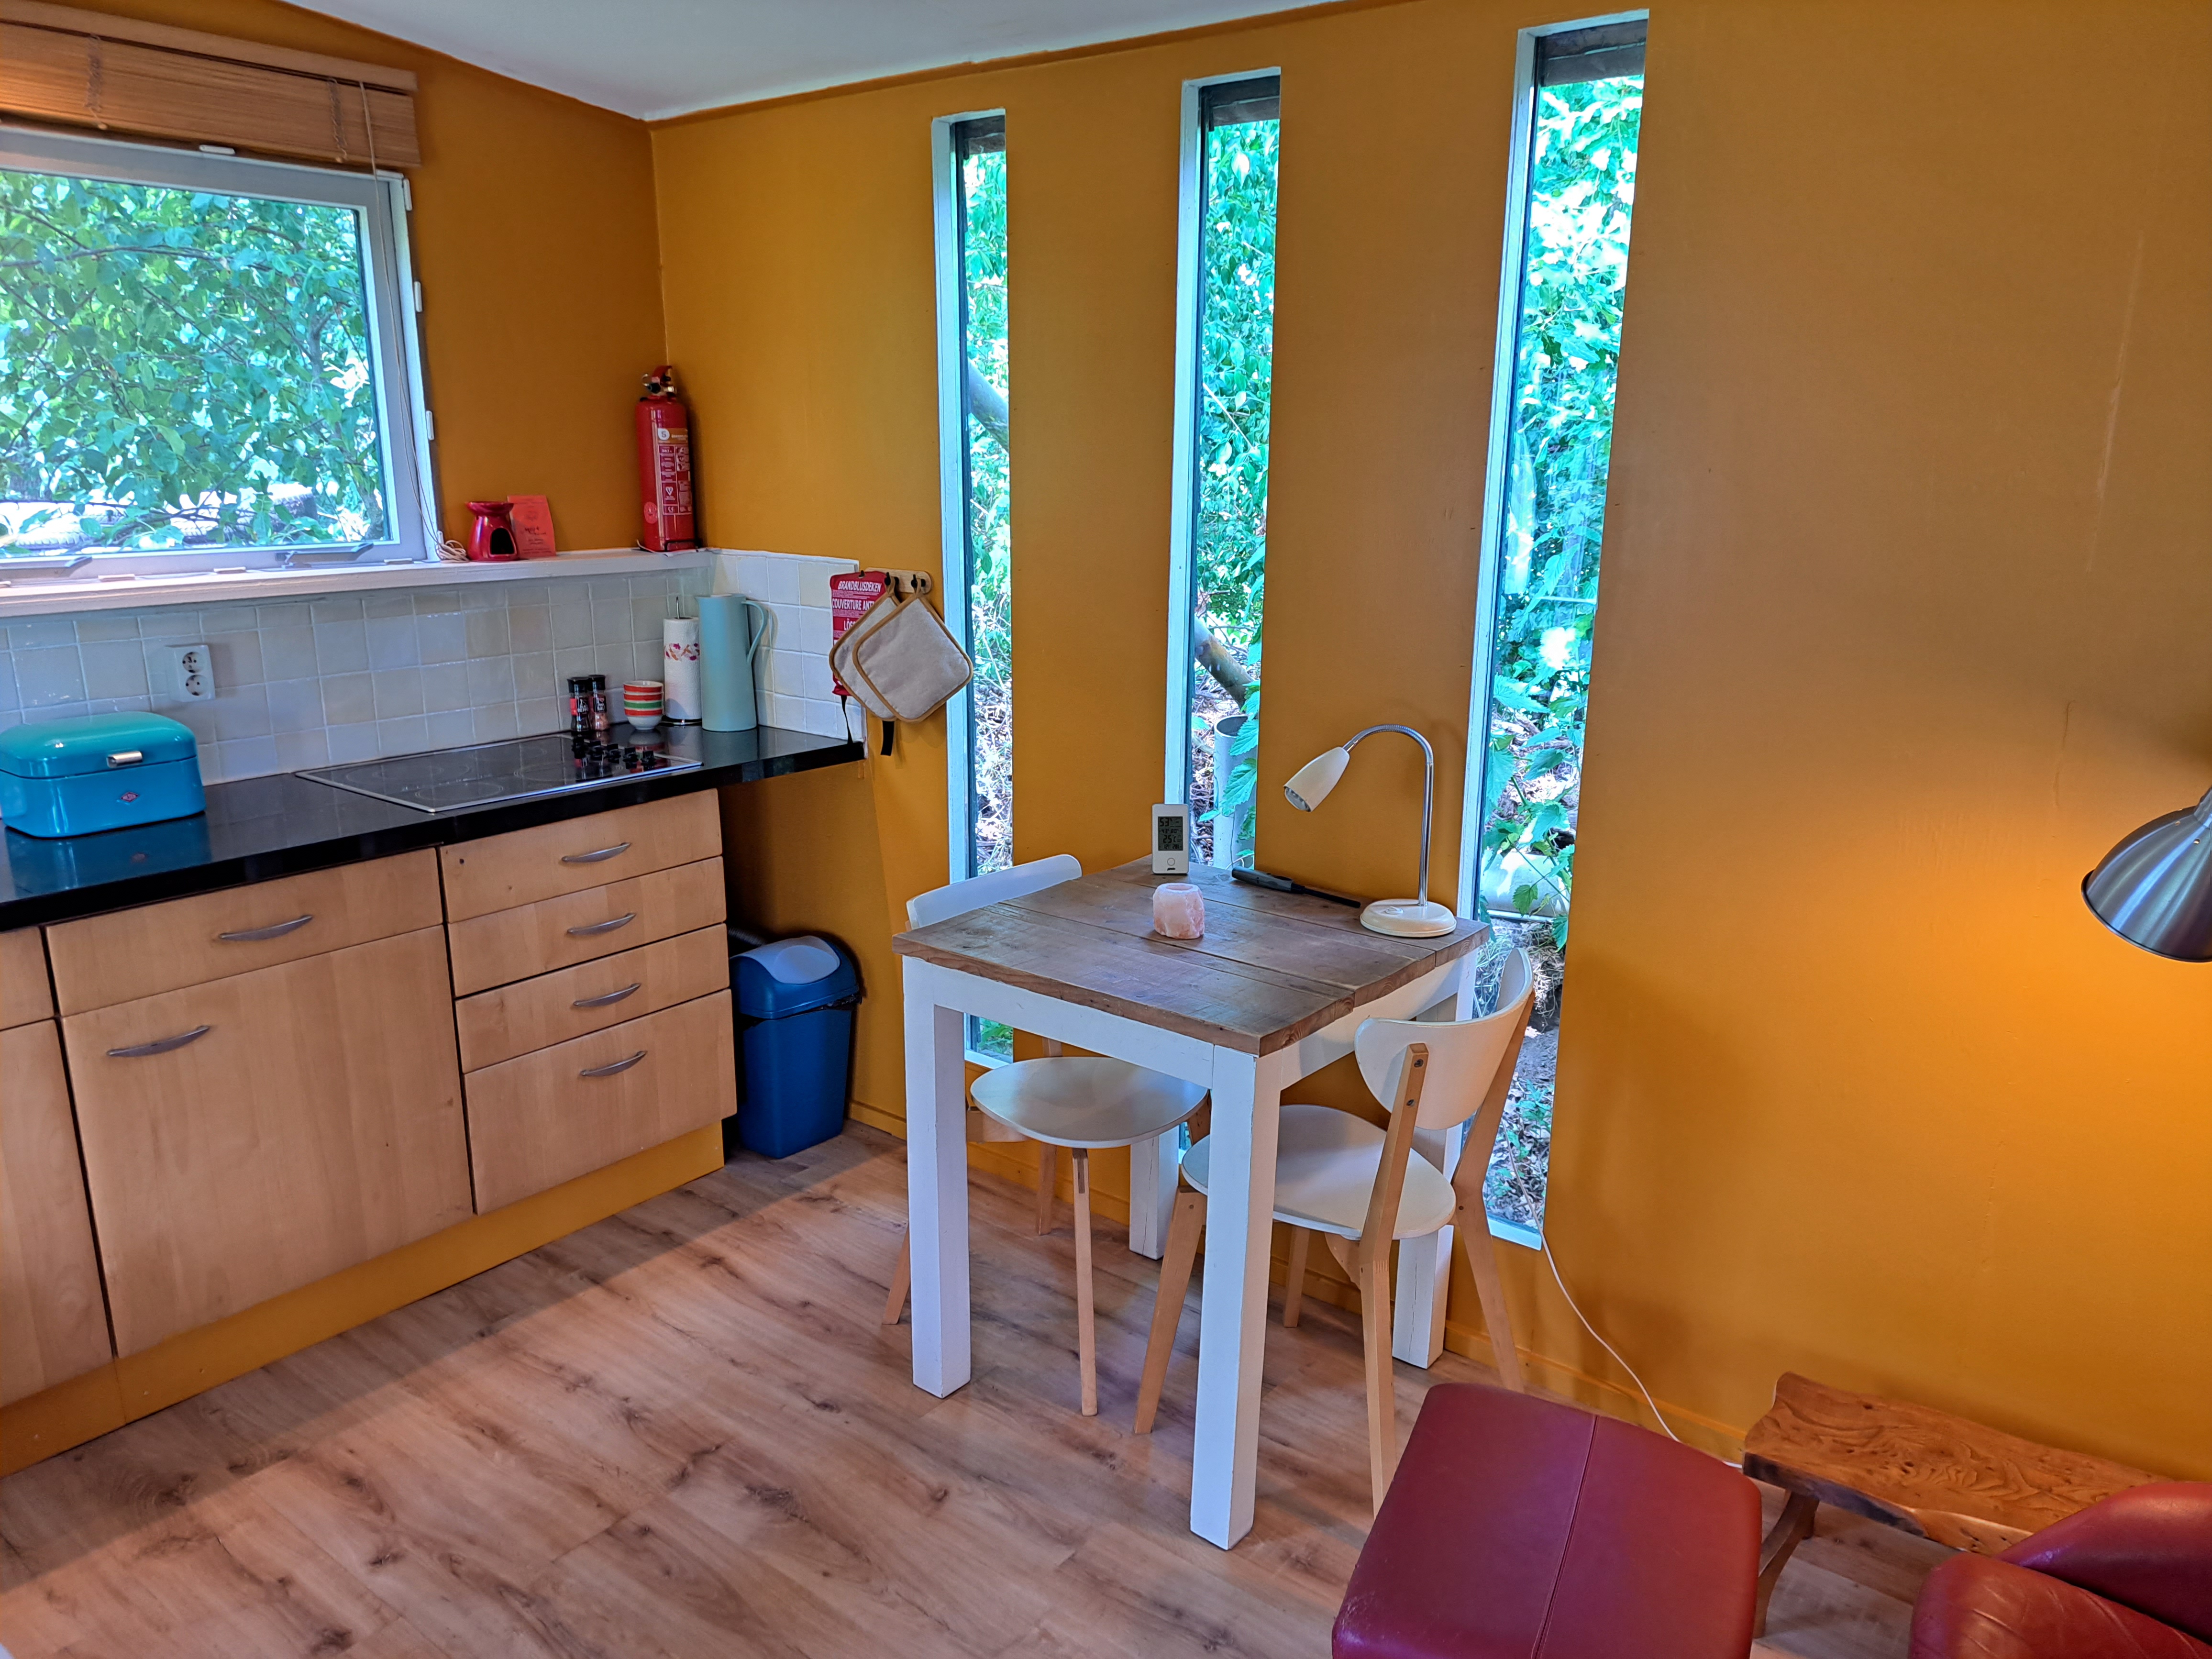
(850, 597)
(533, 526)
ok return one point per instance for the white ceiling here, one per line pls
(660, 57)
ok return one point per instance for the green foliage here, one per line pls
(1582, 186)
(179, 368)
(1237, 342)
(1236, 358)
(990, 506)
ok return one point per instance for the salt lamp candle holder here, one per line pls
(1419, 917)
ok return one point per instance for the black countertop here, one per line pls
(281, 825)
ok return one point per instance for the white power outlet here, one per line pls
(195, 671)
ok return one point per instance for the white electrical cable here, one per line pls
(1546, 1245)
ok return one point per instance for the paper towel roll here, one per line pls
(679, 648)
(728, 640)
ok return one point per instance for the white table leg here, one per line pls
(1423, 1281)
(936, 1189)
(1233, 1308)
(1153, 1165)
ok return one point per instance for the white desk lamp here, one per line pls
(1413, 918)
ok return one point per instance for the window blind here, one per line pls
(86, 69)
(1601, 53)
(1230, 103)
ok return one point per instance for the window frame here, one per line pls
(953, 506)
(952, 473)
(1504, 360)
(1189, 343)
(383, 201)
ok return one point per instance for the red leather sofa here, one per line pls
(2127, 1578)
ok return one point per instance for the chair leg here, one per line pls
(1381, 1382)
(1184, 1227)
(1471, 1227)
(902, 1281)
(1048, 1179)
(1086, 1320)
(1294, 1281)
(1791, 1528)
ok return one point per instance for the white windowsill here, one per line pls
(46, 596)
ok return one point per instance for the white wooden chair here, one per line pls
(1360, 1187)
(1079, 1102)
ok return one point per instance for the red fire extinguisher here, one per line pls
(664, 466)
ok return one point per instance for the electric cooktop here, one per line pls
(515, 769)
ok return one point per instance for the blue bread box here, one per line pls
(98, 772)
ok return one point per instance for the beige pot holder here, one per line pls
(900, 661)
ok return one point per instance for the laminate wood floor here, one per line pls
(683, 1432)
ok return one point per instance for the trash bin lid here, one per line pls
(792, 976)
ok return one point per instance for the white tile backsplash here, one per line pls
(314, 683)
(791, 670)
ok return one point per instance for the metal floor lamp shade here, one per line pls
(2154, 889)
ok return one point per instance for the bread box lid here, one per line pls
(93, 743)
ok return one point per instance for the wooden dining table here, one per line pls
(1273, 993)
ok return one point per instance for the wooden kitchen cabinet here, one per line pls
(501, 872)
(24, 995)
(129, 954)
(309, 1118)
(538, 1121)
(507, 945)
(53, 1324)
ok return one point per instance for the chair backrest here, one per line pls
(1465, 1055)
(959, 897)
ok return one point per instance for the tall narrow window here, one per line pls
(1225, 355)
(1581, 102)
(976, 450)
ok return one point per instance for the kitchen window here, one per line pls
(1578, 109)
(1218, 546)
(206, 363)
(976, 455)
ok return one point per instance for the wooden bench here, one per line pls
(1923, 1471)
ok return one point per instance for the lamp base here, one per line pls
(1407, 918)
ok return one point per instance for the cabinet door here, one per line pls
(578, 1106)
(250, 1135)
(23, 993)
(53, 1325)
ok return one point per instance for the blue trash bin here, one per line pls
(795, 1001)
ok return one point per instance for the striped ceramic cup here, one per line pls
(642, 703)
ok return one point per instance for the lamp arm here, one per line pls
(1428, 790)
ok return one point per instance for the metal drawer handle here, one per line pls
(126, 758)
(595, 858)
(587, 931)
(611, 996)
(609, 1071)
(274, 930)
(140, 1050)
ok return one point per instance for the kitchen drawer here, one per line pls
(556, 932)
(23, 993)
(543, 1119)
(130, 954)
(503, 871)
(536, 1013)
(263, 1130)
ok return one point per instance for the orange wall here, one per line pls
(534, 241)
(1907, 616)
